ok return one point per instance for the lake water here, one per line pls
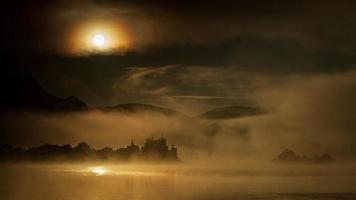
(178, 182)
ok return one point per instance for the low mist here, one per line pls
(310, 114)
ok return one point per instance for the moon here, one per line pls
(95, 38)
(99, 40)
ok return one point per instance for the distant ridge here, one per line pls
(231, 112)
(138, 107)
(23, 92)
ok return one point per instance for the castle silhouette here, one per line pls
(152, 150)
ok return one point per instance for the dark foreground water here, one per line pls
(149, 182)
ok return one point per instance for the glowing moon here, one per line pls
(99, 40)
(95, 38)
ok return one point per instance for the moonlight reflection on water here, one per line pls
(143, 182)
(98, 170)
(119, 171)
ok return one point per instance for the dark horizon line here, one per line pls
(73, 146)
(153, 149)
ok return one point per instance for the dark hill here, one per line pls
(231, 112)
(138, 107)
(22, 92)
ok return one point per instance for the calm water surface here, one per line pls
(146, 182)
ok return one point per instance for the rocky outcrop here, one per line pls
(289, 156)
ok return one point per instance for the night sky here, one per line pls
(177, 49)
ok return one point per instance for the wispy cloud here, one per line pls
(200, 97)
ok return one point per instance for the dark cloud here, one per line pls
(290, 36)
(44, 26)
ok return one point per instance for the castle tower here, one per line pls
(173, 153)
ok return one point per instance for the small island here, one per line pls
(155, 150)
(289, 156)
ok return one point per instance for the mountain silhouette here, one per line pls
(138, 107)
(231, 112)
(23, 92)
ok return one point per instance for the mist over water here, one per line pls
(221, 159)
(182, 181)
